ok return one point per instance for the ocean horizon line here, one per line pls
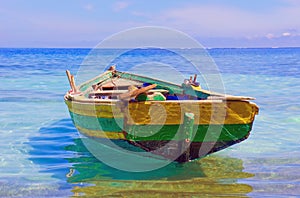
(208, 48)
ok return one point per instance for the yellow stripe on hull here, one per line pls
(171, 112)
(102, 110)
(101, 134)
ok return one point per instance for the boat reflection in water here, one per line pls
(213, 175)
(59, 151)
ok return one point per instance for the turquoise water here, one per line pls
(40, 148)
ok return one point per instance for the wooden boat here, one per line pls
(178, 122)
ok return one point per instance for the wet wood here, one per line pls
(73, 84)
(71, 81)
(118, 83)
(69, 78)
(186, 136)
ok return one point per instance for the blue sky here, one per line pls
(214, 23)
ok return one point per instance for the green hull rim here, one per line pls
(173, 88)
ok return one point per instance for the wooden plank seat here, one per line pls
(106, 93)
(120, 91)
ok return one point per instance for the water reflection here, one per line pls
(59, 151)
(210, 176)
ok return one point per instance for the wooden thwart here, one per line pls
(136, 92)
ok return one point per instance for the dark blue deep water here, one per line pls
(42, 153)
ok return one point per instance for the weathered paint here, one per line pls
(116, 135)
(143, 132)
(187, 132)
(170, 113)
(90, 125)
(203, 133)
(168, 132)
(102, 77)
(103, 110)
(97, 123)
(186, 137)
(194, 91)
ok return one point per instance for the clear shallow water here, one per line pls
(40, 146)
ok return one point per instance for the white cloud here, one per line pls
(226, 21)
(270, 36)
(212, 20)
(120, 5)
(286, 34)
(88, 7)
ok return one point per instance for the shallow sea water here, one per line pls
(42, 153)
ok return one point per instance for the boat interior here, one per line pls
(115, 85)
(120, 88)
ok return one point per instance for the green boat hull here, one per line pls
(166, 140)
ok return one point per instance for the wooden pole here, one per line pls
(69, 78)
(73, 84)
(195, 78)
(186, 136)
(71, 81)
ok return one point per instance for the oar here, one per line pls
(73, 84)
(69, 78)
(71, 81)
(135, 92)
(228, 97)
